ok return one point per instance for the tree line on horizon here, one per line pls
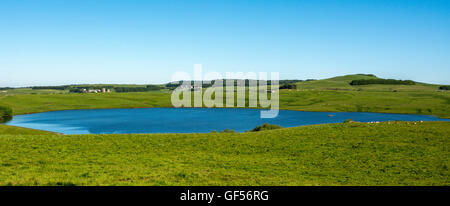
(284, 84)
(138, 89)
(381, 81)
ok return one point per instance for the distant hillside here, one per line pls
(343, 83)
(351, 77)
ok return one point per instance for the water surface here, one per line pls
(186, 120)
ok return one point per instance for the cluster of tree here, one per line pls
(266, 126)
(192, 83)
(5, 114)
(225, 131)
(75, 90)
(292, 81)
(381, 81)
(269, 82)
(137, 89)
(92, 87)
(52, 87)
(288, 86)
(369, 75)
(130, 89)
(349, 121)
(172, 85)
(153, 87)
(5, 88)
(444, 87)
(288, 83)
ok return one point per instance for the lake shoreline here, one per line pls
(445, 117)
(189, 120)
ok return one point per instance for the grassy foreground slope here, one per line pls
(335, 154)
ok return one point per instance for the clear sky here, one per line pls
(142, 41)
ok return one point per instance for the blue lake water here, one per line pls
(186, 120)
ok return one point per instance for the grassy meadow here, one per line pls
(388, 153)
(409, 102)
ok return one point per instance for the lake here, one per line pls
(186, 120)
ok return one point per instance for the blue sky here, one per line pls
(142, 41)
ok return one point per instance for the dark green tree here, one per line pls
(5, 114)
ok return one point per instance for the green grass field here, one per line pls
(390, 153)
(336, 154)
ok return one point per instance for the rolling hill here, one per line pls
(343, 83)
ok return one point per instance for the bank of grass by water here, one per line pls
(13, 130)
(389, 153)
